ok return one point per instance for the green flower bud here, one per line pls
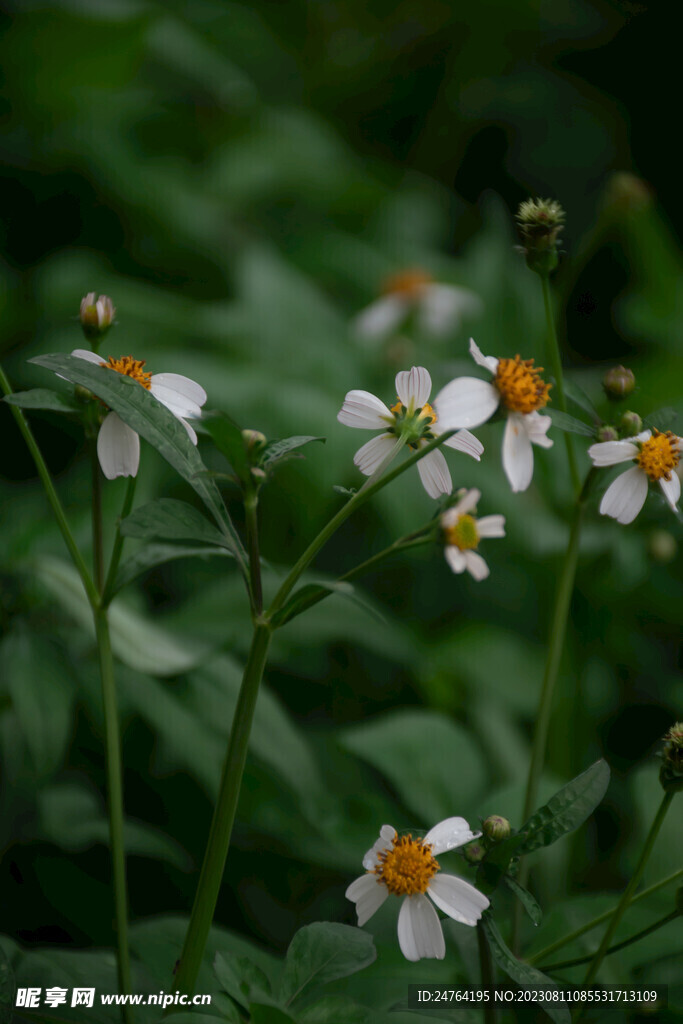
(97, 315)
(474, 852)
(607, 433)
(671, 770)
(496, 828)
(253, 439)
(539, 222)
(662, 546)
(630, 424)
(618, 383)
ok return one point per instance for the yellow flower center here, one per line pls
(522, 389)
(659, 455)
(409, 284)
(130, 367)
(408, 867)
(425, 413)
(463, 533)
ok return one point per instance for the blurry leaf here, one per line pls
(276, 450)
(662, 419)
(313, 592)
(168, 519)
(526, 899)
(260, 1013)
(158, 554)
(567, 809)
(228, 439)
(7, 989)
(322, 952)
(337, 1010)
(522, 973)
(431, 761)
(578, 396)
(563, 421)
(43, 398)
(191, 1017)
(241, 979)
(453, 1014)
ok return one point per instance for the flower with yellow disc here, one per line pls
(462, 532)
(656, 455)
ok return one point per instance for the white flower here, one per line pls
(657, 456)
(469, 402)
(439, 308)
(462, 533)
(413, 387)
(118, 446)
(408, 868)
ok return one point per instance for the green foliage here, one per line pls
(320, 953)
(522, 973)
(568, 809)
(43, 398)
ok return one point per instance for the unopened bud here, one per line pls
(607, 433)
(662, 546)
(496, 828)
(253, 439)
(618, 382)
(474, 852)
(97, 315)
(671, 771)
(630, 424)
(539, 222)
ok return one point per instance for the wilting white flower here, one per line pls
(413, 387)
(657, 456)
(118, 446)
(517, 385)
(407, 867)
(439, 308)
(462, 533)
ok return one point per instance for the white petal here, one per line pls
(449, 834)
(476, 566)
(368, 893)
(385, 841)
(190, 430)
(491, 526)
(457, 898)
(537, 427)
(369, 457)
(363, 410)
(455, 558)
(414, 387)
(518, 456)
(175, 402)
(611, 453)
(184, 387)
(465, 442)
(466, 504)
(381, 317)
(625, 497)
(434, 474)
(465, 402)
(443, 306)
(671, 489)
(118, 448)
(419, 930)
(488, 362)
(91, 357)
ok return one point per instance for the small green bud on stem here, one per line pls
(474, 852)
(630, 424)
(539, 222)
(607, 433)
(496, 828)
(618, 383)
(96, 316)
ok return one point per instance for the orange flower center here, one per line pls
(409, 284)
(130, 367)
(659, 455)
(463, 533)
(425, 413)
(408, 867)
(522, 389)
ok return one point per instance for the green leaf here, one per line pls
(578, 396)
(190, 1017)
(263, 1013)
(323, 952)
(563, 421)
(454, 1014)
(492, 870)
(276, 450)
(43, 398)
(522, 973)
(337, 1010)
(168, 519)
(568, 809)
(155, 423)
(526, 899)
(312, 593)
(662, 419)
(227, 437)
(242, 979)
(158, 554)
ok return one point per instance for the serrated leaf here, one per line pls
(524, 974)
(526, 899)
(227, 437)
(320, 953)
(242, 979)
(276, 450)
(563, 421)
(312, 593)
(158, 554)
(169, 519)
(43, 398)
(568, 809)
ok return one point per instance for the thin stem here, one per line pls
(224, 815)
(251, 522)
(52, 497)
(486, 967)
(97, 541)
(553, 947)
(643, 933)
(115, 802)
(117, 549)
(554, 353)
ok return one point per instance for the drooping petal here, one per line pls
(465, 442)
(518, 456)
(190, 430)
(671, 489)
(449, 834)
(178, 393)
(118, 448)
(414, 387)
(91, 357)
(369, 457)
(386, 837)
(419, 930)
(488, 362)
(363, 410)
(537, 427)
(381, 317)
(368, 893)
(491, 526)
(611, 453)
(455, 558)
(625, 497)
(175, 403)
(476, 566)
(457, 898)
(434, 474)
(465, 402)
(443, 306)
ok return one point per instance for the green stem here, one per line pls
(251, 522)
(555, 358)
(224, 815)
(115, 802)
(566, 964)
(52, 497)
(553, 947)
(117, 550)
(97, 540)
(486, 967)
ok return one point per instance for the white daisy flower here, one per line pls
(413, 387)
(657, 456)
(407, 867)
(518, 386)
(118, 446)
(439, 308)
(462, 533)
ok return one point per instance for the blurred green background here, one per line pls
(240, 179)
